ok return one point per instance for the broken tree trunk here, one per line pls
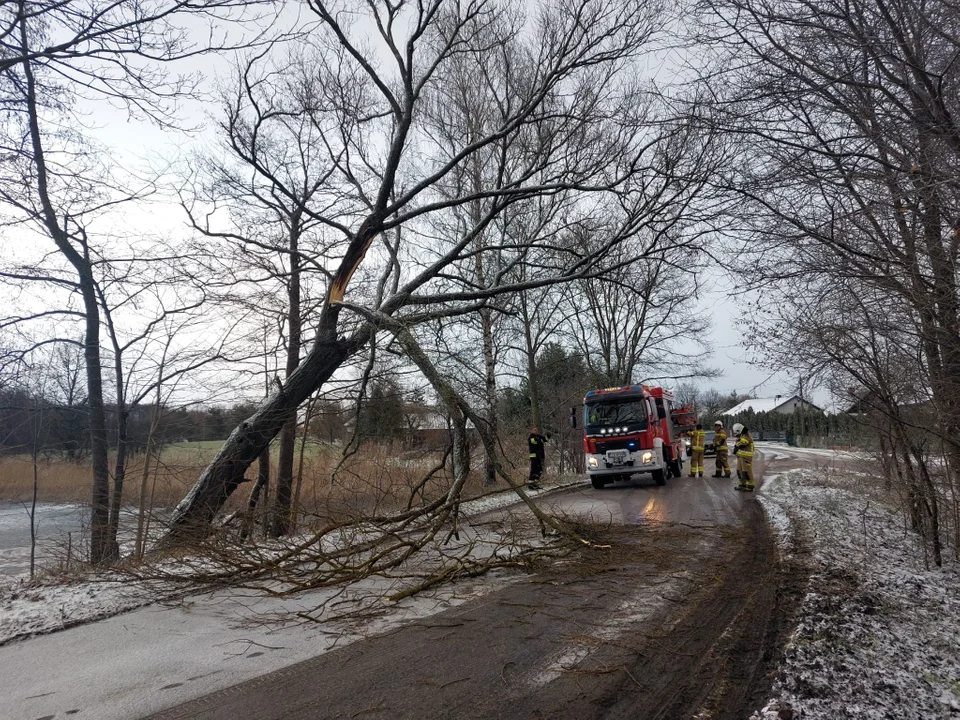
(192, 518)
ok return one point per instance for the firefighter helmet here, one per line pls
(718, 424)
(737, 428)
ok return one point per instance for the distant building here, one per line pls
(428, 426)
(783, 404)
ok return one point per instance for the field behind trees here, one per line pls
(382, 476)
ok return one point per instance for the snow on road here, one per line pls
(877, 634)
(28, 609)
(162, 655)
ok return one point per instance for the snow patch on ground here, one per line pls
(164, 654)
(505, 498)
(30, 609)
(877, 634)
(790, 451)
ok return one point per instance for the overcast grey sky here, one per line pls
(140, 142)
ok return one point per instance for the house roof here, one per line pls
(759, 405)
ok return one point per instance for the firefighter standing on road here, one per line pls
(720, 443)
(696, 449)
(744, 450)
(535, 444)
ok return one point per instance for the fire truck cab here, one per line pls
(631, 430)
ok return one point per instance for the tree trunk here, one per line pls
(141, 542)
(531, 364)
(100, 501)
(263, 484)
(123, 415)
(191, 518)
(288, 434)
(486, 325)
(112, 549)
(99, 515)
(295, 505)
(490, 391)
(33, 502)
(259, 488)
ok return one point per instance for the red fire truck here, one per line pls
(631, 430)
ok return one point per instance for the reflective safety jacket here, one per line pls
(535, 445)
(720, 440)
(696, 440)
(744, 446)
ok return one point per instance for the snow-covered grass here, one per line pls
(877, 633)
(28, 609)
(503, 498)
(774, 450)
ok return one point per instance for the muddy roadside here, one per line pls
(658, 620)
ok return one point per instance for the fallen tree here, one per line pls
(557, 112)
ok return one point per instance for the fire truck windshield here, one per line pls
(624, 412)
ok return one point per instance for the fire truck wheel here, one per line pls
(677, 467)
(659, 478)
(597, 483)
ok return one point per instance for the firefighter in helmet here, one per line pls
(696, 449)
(720, 443)
(535, 443)
(744, 451)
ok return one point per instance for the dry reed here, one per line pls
(380, 478)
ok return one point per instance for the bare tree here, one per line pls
(53, 55)
(274, 176)
(571, 90)
(629, 324)
(848, 114)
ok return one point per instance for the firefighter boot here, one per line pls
(740, 483)
(717, 474)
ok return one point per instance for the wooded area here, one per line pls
(484, 208)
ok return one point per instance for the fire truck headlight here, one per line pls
(592, 462)
(647, 457)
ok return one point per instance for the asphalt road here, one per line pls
(677, 610)
(701, 501)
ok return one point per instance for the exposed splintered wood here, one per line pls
(398, 188)
(351, 260)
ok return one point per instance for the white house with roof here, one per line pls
(783, 404)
